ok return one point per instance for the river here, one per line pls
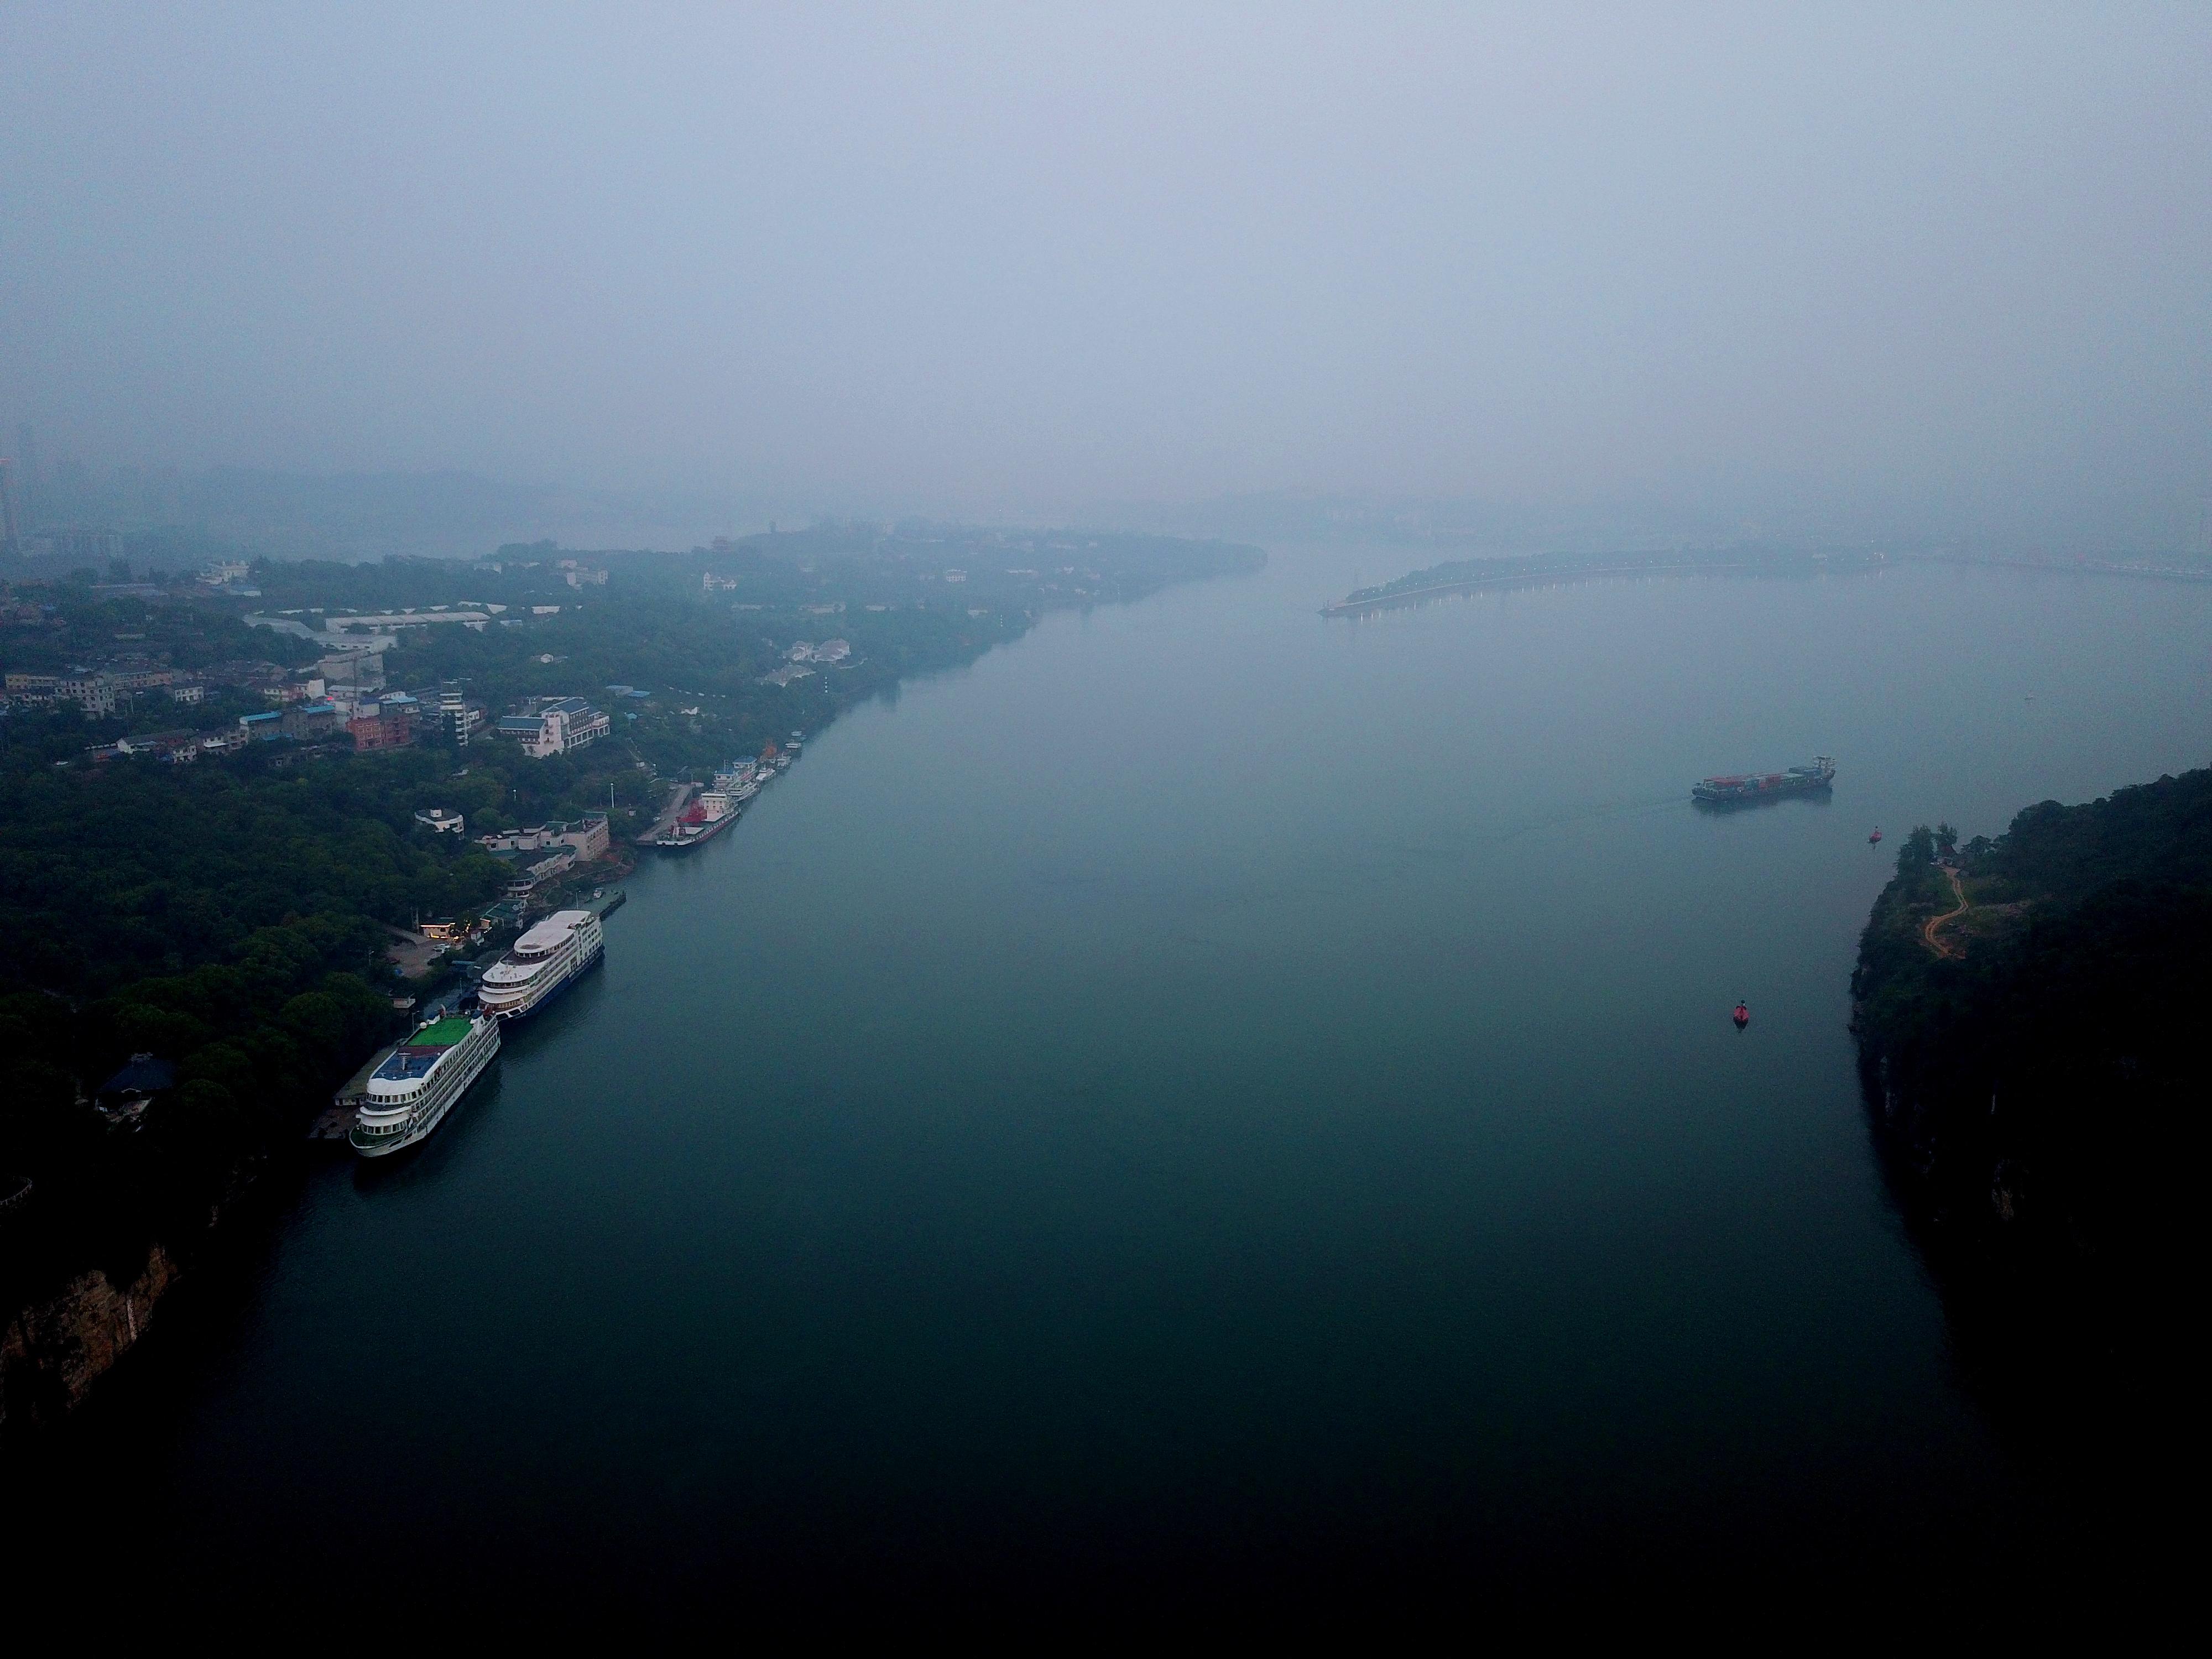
(1206, 1106)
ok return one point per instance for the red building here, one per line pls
(394, 729)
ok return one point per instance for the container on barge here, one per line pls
(1740, 789)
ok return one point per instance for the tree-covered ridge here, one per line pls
(145, 868)
(903, 565)
(2036, 1087)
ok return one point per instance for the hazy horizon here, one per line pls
(1873, 272)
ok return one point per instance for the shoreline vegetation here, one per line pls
(196, 936)
(2026, 1010)
(1475, 574)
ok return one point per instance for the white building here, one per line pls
(530, 872)
(556, 728)
(586, 837)
(94, 693)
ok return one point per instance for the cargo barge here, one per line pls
(719, 807)
(1741, 789)
(705, 818)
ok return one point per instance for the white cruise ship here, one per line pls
(411, 1093)
(545, 959)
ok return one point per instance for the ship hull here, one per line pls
(1752, 798)
(539, 967)
(686, 843)
(551, 992)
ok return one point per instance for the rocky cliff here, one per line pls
(56, 1348)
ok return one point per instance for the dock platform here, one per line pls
(667, 822)
(337, 1118)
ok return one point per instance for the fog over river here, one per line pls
(1208, 1101)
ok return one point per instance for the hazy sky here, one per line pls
(1936, 261)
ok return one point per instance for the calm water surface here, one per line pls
(1207, 1103)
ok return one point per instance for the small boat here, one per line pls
(1874, 840)
(1743, 1016)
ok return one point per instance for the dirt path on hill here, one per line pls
(1929, 929)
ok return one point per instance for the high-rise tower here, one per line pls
(30, 482)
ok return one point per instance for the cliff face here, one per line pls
(55, 1349)
(74, 1326)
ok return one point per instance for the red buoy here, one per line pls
(1743, 1016)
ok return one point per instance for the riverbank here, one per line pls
(1476, 575)
(279, 955)
(680, 797)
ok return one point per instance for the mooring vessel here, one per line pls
(409, 1094)
(544, 960)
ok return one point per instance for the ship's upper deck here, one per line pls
(412, 1059)
(550, 934)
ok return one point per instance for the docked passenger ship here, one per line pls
(409, 1094)
(544, 960)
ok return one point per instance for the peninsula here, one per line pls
(1472, 575)
(2028, 1012)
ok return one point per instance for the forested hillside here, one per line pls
(226, 917)
(2037, 1086)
